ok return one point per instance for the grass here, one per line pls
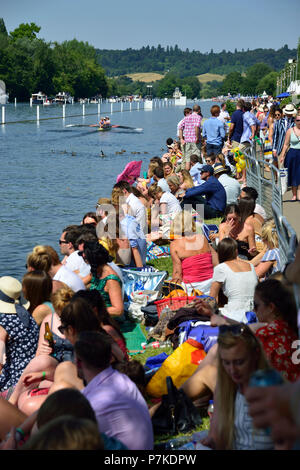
(145, 77)
(209, 77)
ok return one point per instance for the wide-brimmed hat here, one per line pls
(289, 109)
(10, 295)
(219, 168)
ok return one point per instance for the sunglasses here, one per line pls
(297, 120)
(62, 328)
(62, 241)
(234, 330)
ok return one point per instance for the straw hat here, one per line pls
(10, 292)
(289, 109)
(219, 168)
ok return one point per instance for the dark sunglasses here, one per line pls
(62, 241)
(62, 328)
(234, 330)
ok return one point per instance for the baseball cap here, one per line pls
(208, 169)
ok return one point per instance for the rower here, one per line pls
(102, 122)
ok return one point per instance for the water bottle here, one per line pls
(176, 443)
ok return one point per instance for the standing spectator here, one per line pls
(190, 135)
(292, 158)
(236, 126)
(214, 132)
(224, 116)
(186, 112)
(280, 129)
(249, 128)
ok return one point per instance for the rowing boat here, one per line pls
(105, 128)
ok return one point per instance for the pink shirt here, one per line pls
(188, 124)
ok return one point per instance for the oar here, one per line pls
(127, 127)
(82, 125)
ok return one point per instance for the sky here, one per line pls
(199, 25)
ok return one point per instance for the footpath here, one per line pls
(291, 210)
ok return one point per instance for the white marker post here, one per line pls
(83, 109)
(111, 108)
(130, 105)
(30, 102)
(37, 113)
(3, 115)
(98, 107)
(121, 106)
(64, 111)
(15, 102)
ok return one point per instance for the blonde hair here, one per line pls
(187, 179)
(269, 233)
(173, 179)
(154, 190)
(151, 168)
(226, 389)
(221, 157)
(39, 259)
(61, 298)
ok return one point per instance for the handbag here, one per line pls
(283, 173)
(176, 414)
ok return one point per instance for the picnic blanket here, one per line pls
(155, 251)
(134, 336)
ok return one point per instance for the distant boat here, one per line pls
(180, 100)
(38, 98)
(63, 98)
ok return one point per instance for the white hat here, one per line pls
(289, 109)
(10, 292)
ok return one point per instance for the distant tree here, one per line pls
(3, 29)
(268, 84)
(233, 83)
(25, 30)
(253, 76)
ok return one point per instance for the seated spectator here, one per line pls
(174, 185)
(195, 170)
(37, 289)
(18, 333)
(232, 186)
(192, 256)
(239, 355)
(168, 169)
(185, 179)
(250, 218)
(120, 409)
(268, 261)
(45, 258)
(104, 278)
(246, 191)
(66, 433)
(168, 203)
(236, 278)
(135, 207)
(160, 179)
(215, 196)
(213, 132)
(234, 228)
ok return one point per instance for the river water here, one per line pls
(51, 175)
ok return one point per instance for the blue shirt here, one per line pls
(213, 131)
(237, 120)
(248, 121)
(132, 230)
(195, 173)
(213, 191)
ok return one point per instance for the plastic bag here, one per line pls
(140, 299)
(283, 172)
(179, 366)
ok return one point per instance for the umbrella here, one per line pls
(131, 172)
(285, 94)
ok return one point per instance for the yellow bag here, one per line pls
(180, 366)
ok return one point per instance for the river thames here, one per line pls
(51, 175)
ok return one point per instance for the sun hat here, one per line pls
(10, 295)
(289, 109)
(219, 169)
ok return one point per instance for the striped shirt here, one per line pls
(188, 125)
(273, 255)
(246, 437)
(280, 128)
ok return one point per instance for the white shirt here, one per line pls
(232, 188)
(137, 210)
(74, 262)
(260, 211)
(172, 202)
(224, 116)
(68, 277)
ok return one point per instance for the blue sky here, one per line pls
(195, 24)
